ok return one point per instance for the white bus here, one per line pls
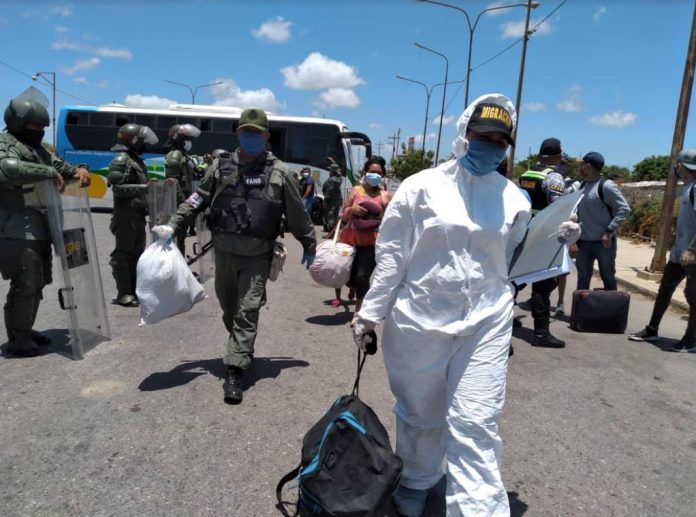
(85, 134)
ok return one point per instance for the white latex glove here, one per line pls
(360, 330)
(569, 232)
(163, 232)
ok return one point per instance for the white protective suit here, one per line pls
(441, 282)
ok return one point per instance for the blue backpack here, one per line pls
(348, 468)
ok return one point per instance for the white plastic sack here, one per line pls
(332, 263)
(165, 285)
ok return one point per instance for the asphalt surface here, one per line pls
(602, 427)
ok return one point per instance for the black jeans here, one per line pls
(674, 273)
(541, 303)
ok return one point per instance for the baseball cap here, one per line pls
(550, 147)
(687, 157)
(255, 118)
(595, 159)
(491, 118)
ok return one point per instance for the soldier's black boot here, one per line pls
(233, 385)
(543, 338)
(20, 344)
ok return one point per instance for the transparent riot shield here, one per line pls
(202, 249)
(76, 266)
(161, 204)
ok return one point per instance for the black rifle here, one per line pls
(198, 253)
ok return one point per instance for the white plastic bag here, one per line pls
(165, 285)
(332, 263)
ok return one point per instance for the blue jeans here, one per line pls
(588, 251)
(308, 203)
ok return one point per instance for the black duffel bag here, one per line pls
(348, 468)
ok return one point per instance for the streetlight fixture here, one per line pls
(444, 94)
(52, 82)
(428, 91)
(193, 90)
(472, 28)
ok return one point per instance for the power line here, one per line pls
(45, 81)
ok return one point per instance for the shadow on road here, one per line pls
(60, 344)
(187, 371)
(340, 318)
(524, 333)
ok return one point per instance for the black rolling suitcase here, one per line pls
(600, 311)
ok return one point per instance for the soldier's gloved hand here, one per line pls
(364, 335)
(83, 177)
(307, 259)
(569, 232)
(164, 232)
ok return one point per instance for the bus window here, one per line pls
(296, 150)
(165, 122)
(77, 118)
(122, 119)
(187, 120)
(206, 125)
(145, 120)
(101, 119)
(223, 125)
(277, 140)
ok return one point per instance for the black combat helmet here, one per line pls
(181, 132)
(22, 111)
(218, 152)
(135, 136)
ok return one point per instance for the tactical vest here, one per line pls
(532, 181)
(245, 206)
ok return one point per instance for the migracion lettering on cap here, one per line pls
(497, 113)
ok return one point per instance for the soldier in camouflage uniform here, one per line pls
(333, 200)
(128, 180)
(248, 192)
(25, 238)
(179, 167)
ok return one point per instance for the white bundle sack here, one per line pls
(165, 285)
(332, 263)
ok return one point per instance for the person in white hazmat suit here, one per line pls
(441, 282)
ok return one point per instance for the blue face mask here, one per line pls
(482, 157)
(373, 179)
(251, 142)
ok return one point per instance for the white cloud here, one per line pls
(137, 100)
(572, 102)
(616, 119)
(230, 94)
(81, 80)
(430, 136)
(103, 84)
(374, 125)
(60, 29)
(82, 64)
(318, 72)
(62, 10)
(599, 13)
(516, 29)
(338, 98)
(274, 31)
(534, 106)
(445, 122)
(114, 53)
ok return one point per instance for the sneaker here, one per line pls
(409, 502)
(647, 334)
(336, 302)
(684, 346)
(560, 309)
(546, 340)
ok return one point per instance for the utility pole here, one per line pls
(664, 230)
(392, 140)
(379, 146)
(398, 138)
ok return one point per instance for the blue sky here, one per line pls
(601, 76)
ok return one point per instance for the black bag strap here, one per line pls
(279, 492)
(600, 193)
(361, 363)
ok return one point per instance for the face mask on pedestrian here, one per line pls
(188, 145)
(32, 137)
(482, 157)
(251, 142)
(373, 179)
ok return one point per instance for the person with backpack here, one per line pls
(682, 261)
(442, 283)
(600, 212)
(544, 184)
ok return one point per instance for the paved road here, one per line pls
(603, 427)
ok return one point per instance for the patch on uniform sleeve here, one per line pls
(557, 187)
(195, 200)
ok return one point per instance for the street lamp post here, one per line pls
(52, 82)
(428, 92)
(518, 99)
(193, 90)
(444, 94)
(472, 28)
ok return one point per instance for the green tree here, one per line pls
(652, 168)
(617, 173)
(411, 162)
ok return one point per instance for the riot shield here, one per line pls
(76, 266)
(206, 262)
(161, 197)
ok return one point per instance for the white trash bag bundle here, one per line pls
(332, 263)
(165, 285)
